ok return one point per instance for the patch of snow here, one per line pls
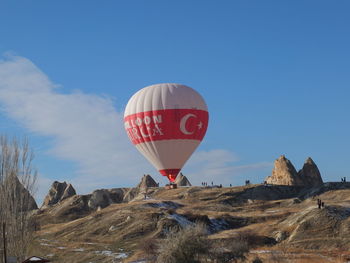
(104, 252)
(340, 213)
(48, 241)
(167, 205)
(109, 253)
(121, 255)
(112, 228)
(61, 247)
(50, 255)
(46, 244)
(261, 251)
(218, 224)
(78, 250)
(34, 259)
(183, 221)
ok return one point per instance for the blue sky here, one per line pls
(275, 76)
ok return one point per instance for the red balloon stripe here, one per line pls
(171, 124)
(170, 173)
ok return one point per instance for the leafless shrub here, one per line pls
(185, 246)
(257, 260)
(232, 249)
(191, 245)
(246, 237)
(17, 185)
(150, 246)
(277, 257)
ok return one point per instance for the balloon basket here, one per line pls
(170, 186)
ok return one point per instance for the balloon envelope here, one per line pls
(166, 123)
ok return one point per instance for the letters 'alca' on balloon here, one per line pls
(166, 123)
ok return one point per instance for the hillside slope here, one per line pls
(284, 221)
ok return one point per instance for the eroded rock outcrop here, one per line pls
(140, 191)
(310, 174)
(147, 181)
(58, 192)
(131, 194)
(105, 197)
(182, 180)
(284, 173)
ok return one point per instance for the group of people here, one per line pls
(247, 182)
(206, 183)
(212, 184)
(320, 203)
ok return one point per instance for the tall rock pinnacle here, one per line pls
(284, 173)
(310, 174)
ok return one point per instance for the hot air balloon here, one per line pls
(166, 123)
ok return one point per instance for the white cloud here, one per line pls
(86, 129)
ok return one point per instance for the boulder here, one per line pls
(280, 236)
(99, 198)
(105, 197)
(284, 173)
(58, 192)
(310, 174)
(182, 180)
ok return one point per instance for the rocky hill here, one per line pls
(280, 223)
(57, 193)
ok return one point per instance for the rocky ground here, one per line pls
(284, 223)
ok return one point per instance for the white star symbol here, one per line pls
(200, 125)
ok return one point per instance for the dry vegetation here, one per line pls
(235, 226)
(17, 184)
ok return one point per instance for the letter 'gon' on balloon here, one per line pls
(166, 123)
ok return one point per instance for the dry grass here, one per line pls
(184, 246)
(139, 234)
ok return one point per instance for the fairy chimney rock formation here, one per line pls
(147, 181)
(310, 174)
(284, 173)
(182, 180)
(58, 192)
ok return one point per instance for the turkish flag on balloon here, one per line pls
(166, 123)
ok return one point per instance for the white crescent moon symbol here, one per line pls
(183, 123)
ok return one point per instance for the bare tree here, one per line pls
(17, 187)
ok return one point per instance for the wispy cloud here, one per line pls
(220, 167)
(86, 129)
